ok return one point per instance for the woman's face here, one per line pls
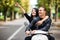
(33, 12)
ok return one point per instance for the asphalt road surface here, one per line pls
(15, 30)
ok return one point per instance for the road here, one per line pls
(15, 30)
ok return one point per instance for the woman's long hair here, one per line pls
(36, 9)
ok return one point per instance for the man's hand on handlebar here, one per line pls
(33, 32)
(27, 33)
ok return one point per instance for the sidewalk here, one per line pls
(14, 22)
(57, 23)
(56, 32)
(55, 29)
(1, 22)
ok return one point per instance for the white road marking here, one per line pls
(15, 33)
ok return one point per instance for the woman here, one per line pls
(34, 13)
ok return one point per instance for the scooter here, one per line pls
(40, 35)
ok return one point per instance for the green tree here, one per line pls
(50, 4)
(45, 3)
(9, 5)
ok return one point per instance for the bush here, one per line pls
(59, 15)
(1, 18)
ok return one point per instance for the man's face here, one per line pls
(41, 11)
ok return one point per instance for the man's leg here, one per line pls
(51, 37)
(28, 38)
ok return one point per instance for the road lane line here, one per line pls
(15, 33)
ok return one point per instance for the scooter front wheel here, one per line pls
(39, 37)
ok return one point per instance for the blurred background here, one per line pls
(10, 12)
(11, 17)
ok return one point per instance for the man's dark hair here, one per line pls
(45, 9)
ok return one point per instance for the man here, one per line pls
(44, 26)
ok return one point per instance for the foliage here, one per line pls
(58, 15)
(1, 17)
